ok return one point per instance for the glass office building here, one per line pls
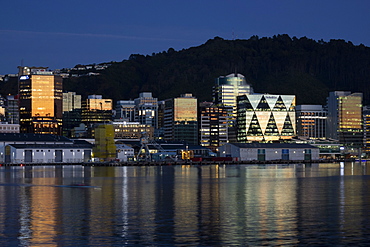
(180, 119)
(40, 101)
(345, 118)
(311, 121)
(265, 117)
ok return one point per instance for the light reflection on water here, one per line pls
(214, 205)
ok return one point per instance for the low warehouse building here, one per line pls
(47, 153)
(269, 151)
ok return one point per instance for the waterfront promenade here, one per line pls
(179, 162)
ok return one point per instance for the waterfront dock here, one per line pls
(174, 163)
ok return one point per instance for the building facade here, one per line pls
(95, 111)
(132, 130)
(344, 122)
(125, 110)
(12, 109)
(180, 119)
(366, 124)
(225, 91)
(71, 112)
(265, 117)
(212, 125)
(146, 109)
(311, 121)
(40, 101)
(269, 151)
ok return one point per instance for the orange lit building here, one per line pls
(40, 101)
(345, 118)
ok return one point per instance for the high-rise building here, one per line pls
(265, 117)
(125, 110)
(146, 109)
(225, 91)
(12, 109)
(40, 101)
(180, 119)
(227, 88)
(212, 122)
(366, 121)
(96, 111)
(71, 112)
(311, 121)
(345, 118)
(71, 101)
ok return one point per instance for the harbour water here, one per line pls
(213, 205)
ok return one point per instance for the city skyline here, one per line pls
(64, 35)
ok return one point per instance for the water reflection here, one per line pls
(185, 205)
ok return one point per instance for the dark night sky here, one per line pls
(61, 34)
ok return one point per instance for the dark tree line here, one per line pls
(276, 65)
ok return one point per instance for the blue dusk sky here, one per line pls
(61, 34)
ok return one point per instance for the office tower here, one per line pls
(180, 119)
(265, 117)
(95, 109)
(146, 109)
(366, 121)
(225, 91)
(71, 101)
(71, 112)
(227, 88)
(40, 101)
(212, 125)
(159, 131)
(345, 118)
(311, 121)
(12, 109)
(125, 110)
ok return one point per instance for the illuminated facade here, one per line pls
(132, 130)
(311, 121)
(345, 118)
(366, 119)
(265, 117)
(146, 109)
(225, 91)
(212, 125)
(95, 109)
(71, 112)
(125, 110)
(12, 109)
(228, 87)
(40, 101)
(180, 119)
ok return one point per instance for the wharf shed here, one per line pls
(269, 151)
(26, 148)
(48, 153)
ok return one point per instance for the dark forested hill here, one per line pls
(277, 65)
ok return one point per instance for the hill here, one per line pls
(276, 65)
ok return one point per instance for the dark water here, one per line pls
(286, 205)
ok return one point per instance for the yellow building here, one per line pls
(40, 101)
(104, 149)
